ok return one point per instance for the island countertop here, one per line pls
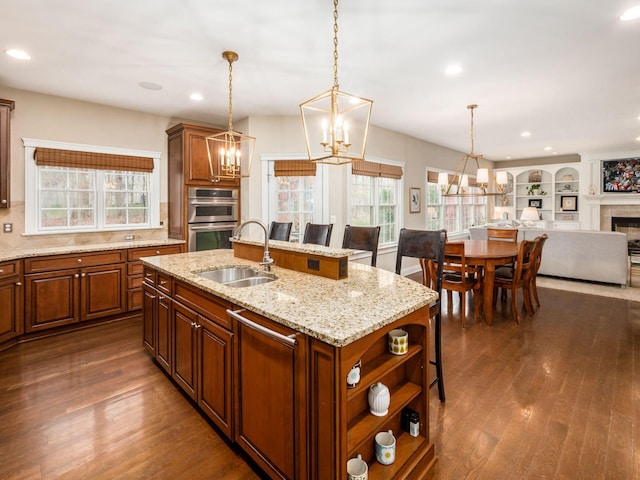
(336, 312)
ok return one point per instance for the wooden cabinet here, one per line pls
(85, 286)
(11, 300)
(271, 391)
(5, 152)
(203, 348)
(156, 320)
(189, 167)
(134, 270)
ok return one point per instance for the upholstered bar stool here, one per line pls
(280, 231)
(362, 238)
(317, 233)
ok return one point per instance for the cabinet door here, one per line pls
(184, 371)
(215, 390)
(103, 291)
(5, 151)
(63, 287)
(11, 308)
(269, 380)
(163, 332)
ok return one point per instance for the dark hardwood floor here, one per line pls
(556, 397)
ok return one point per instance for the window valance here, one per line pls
(294, 168)
(101, 161)
(372, 169)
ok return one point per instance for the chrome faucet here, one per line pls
(267, 261)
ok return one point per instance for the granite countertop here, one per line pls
(18, 253)
(308, 248)
(337, 312)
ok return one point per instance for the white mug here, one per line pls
(385, 447)
(357, 469)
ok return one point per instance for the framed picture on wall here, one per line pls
(535, 202)
(414, 200)
(569, 203)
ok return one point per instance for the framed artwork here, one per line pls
(535, 202)
(569, 203)
(621, 176)
(414, 200)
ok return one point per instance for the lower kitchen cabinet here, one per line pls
(156, 326)
(271, 387)
(11, 300)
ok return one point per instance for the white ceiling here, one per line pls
(568, 71)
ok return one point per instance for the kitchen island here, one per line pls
(268, 363)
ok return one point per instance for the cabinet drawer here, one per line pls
(135, 268)
(134, 281)
(8, 269)
(163, 283)
(134, 254)
(211, 307)
(60, 262)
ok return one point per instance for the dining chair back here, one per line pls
(280, 231)
(458, 276)
(317, 233)
(428, 247)
(362, 238)
(536, 266)
(502, 234)
(517, 277)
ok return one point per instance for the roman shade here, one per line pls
(101, 161)
(372, 169)
(294, 168)
(432, 177)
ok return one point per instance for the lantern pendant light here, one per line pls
(230, 152)
(336, 124)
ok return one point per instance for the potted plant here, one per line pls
(535, 190)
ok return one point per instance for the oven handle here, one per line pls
(212, 228)
(213, 202)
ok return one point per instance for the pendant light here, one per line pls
(230, 152)
(458, 185)
(336, 124)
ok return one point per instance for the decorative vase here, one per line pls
(379, 399)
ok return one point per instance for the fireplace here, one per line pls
(631, 227)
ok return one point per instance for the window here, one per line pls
(62, 198)
(454, 214)
(375, 199)
(294, 194)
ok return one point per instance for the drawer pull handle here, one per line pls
(4, 200)
(18, 284)
(1, 270)
(161, 297)
(288, 339)
(163, 282)
(79, 260)
(83, 274)
(148, 275)
(76, 276)
(157, 252)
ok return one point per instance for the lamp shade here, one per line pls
(443, 179)
(530, 214)
(482, 176)
(501, 178)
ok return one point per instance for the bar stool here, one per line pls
(362, 238)
(317, 233)
(428, 246)
(280, 231)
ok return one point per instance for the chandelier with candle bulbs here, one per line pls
(336, 124)
(230, 152)
(487, 184)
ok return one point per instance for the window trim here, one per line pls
(31, 187)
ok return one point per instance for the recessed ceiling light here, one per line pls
(150, 85)
(631, 14)
(453, 70)
(638, 139)
(508, 158)
(19, 54)
(548, 148)
(196, 97)
(525, 134)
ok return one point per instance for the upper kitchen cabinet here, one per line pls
(5, 151)
(189, 167)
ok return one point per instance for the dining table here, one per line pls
(489, 254)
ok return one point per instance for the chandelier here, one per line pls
(458, 185)
(230, 152)
(336, 124)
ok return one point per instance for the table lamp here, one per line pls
(529, 215)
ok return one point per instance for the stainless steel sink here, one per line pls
(240, 276)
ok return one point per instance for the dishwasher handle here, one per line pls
(287, 339)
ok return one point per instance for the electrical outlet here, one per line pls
(7, 227)
(332, 219)
(129, 238)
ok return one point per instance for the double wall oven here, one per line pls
(213, 213)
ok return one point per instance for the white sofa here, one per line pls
(580, 254)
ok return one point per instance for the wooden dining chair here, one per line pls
(502, 234)
(280, 231)
(427, 246)
(458, 276)
(362, 238)
(317, 233)
(536, 266)
(517, 278)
